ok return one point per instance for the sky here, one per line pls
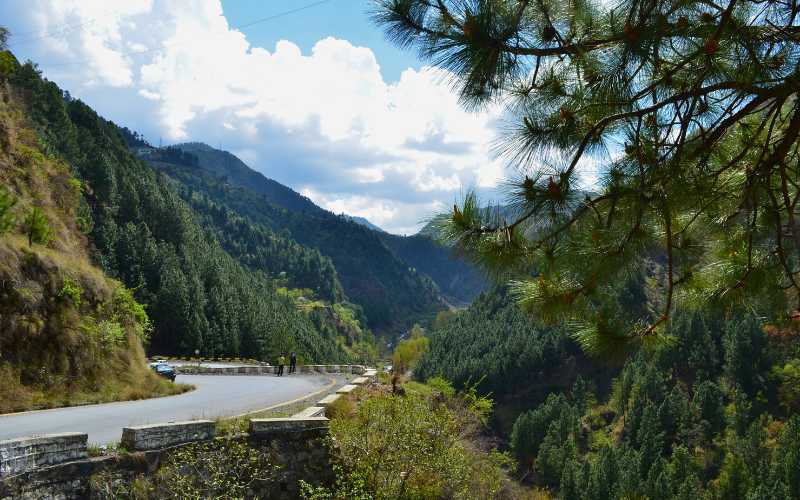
(314, 97)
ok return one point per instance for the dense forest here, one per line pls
(391, 293)
(143, 233)
(711, 414)
(456, 279)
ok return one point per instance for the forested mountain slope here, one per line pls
(711, 414)
(68, 333)
(456, 279)
(146, 235)
(392, 294)
(495, 346)
(459, 282)
(234, 171)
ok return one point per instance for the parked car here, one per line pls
(164, 370)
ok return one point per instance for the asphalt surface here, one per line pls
(214, 396)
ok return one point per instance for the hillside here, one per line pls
(234, 171)
(458, 281)
(143, 233)
(69, 334)
(710, 414)
(316, 227)
(389, 292)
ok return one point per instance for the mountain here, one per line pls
(142, 231)
(391, 294)
(364, 222)
(459, 282)
(234, 171)
(415, 259)
(647, 423)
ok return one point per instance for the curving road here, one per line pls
(215, 396)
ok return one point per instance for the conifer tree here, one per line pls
(37, 227)
(688, 111)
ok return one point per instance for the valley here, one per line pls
(458, 249)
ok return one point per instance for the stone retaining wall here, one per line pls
(155, 436)
(19, 455)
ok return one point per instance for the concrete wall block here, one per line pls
(311, 411)
(151, 437)
(25, 454)
(347, 389)
(360, 381)
(328, 400)
(272, 426)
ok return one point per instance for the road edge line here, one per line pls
(285, 403)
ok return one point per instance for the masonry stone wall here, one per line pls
(18, 455)
(156, 436)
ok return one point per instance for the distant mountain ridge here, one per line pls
(229, 167)
(364, 222)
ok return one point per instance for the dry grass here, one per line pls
(124, 378)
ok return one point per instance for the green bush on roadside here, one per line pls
(415, 445)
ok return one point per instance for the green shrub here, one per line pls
(112, 335)
(71, 290)
(788, 378)
(8, 64)
(29, 157)
(411, 446)
(37, 227)
(7, 202)
(131, 313)
(83, 217)
(408, 352)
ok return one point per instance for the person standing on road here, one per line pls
(281, 362)
(292, 363)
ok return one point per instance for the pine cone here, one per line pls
(470, 27)
(553, 189)
(711, 46)
(630, 32)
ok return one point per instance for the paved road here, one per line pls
(215, 396)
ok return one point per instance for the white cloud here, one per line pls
(325, 120)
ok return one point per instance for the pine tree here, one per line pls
(708, 398)
(734, 481)
(687, 110)
(37, 227)
(789, 456)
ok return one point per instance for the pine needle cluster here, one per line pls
(689, 110)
